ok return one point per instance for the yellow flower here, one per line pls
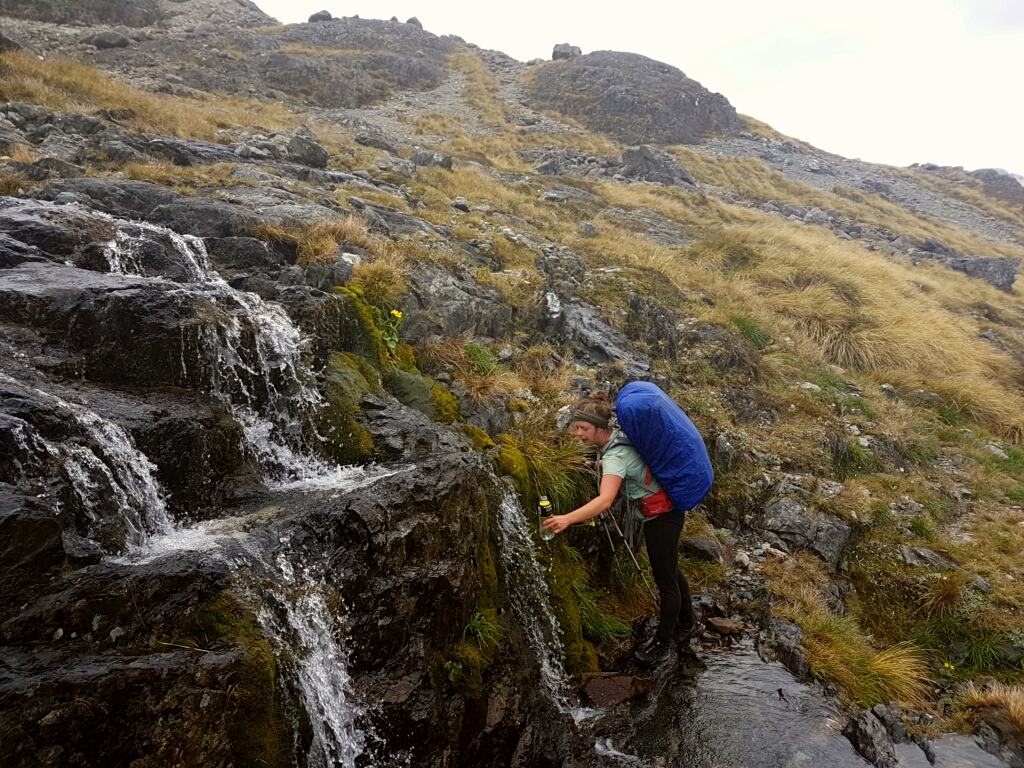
(396, 313)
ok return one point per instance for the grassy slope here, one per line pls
(881, 320)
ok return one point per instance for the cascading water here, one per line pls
(254, 356)
(105, 469)
(528, 593)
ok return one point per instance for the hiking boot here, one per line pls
(682, 636)
(654, 651)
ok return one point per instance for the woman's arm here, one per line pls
(609, 488)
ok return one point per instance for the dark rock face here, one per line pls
(649, 164)
(1001, 185)
(132, 13)
(869, 737)
(320, 16)
(565, 51)
(633, 98)
(794, 525)
(449, 304)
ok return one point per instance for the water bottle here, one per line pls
(545, 509)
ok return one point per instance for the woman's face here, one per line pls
(591, 435)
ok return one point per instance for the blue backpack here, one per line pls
(668, 442)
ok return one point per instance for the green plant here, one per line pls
(922, 529)
(482, 361)
(752, 332)
(486, 632)
(454, 670)
(597, 626)
(388, 326)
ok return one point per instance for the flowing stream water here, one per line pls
(528, 594)
(256, 369)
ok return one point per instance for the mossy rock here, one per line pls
(481, 440)
(411, 389)
(344, 439)
(405, 358)
(446, 405)
(511, 462)
(258, 727)
(359, 332)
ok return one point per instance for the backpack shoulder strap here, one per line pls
(618, 439)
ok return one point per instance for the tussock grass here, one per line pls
(958, 184)
(12, 183)
(484, 380)
(72, 86)
(750, 177)
(1008, 697)
(836, 648)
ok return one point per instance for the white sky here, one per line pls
(890, 81)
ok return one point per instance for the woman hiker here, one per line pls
(623, 468)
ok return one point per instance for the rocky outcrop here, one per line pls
(640, 164)
(869, 737)
(131, 13)
(632, 98)
(794, 528)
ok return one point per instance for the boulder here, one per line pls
(796, 528)
(594, 342)
(922, 556)
(430, 159)
(320, 16)
(869, 737)
(652, 165)
(377, 141)
(707, 549)
(9, 44)
(414, 22)
(108, 39)
(390, 221)
(725, 626)
(565, 51)
(306, 152)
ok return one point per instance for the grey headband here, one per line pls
(590, 418)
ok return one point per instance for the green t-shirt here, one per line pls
(626, 462)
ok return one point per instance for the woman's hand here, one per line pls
(556, 523)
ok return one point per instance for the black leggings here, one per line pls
(661, 535)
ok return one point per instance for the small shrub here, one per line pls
(483, 362)
(922, 529)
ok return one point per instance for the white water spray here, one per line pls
(528, 593)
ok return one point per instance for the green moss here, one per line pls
(405, 358)
(366, 370)
(257, 727)
(481, 440)
(510, 461)
(365, 338)
(564, 568)
(342, 438)
(446, 405)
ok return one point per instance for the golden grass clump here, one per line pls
(12, 183)
(73, 86)
(1008, 697)
(475, 366)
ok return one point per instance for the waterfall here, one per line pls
(103, 469)
(254, 355)
(298, 621)
(528, 593)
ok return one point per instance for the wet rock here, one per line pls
(451, 304)
(390, 221)
(654, 324)
(783, 640)
(428, 158)
(725, 626)
(869, 737)
(158, 205)
(31, 544)
(596, 343)
(706, 549)
(607, 690)
(891, 716)
(241, 253)
(334, 274)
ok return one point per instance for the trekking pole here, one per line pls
(630, 550)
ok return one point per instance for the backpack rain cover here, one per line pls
(668, 442)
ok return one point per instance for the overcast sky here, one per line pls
(890, 81)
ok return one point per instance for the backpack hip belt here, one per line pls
(655, 504)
